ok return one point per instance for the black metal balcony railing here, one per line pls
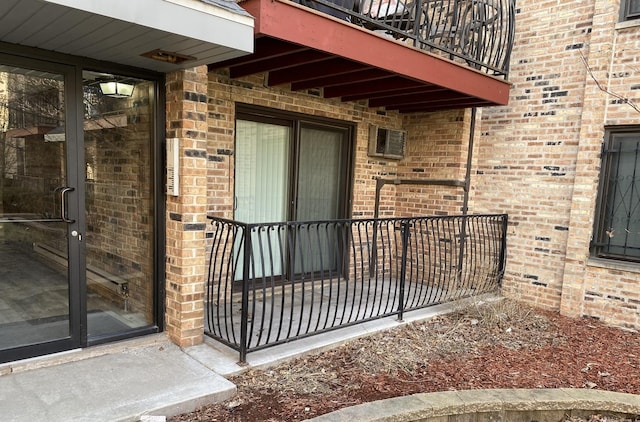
(478, 32)
(274, 282)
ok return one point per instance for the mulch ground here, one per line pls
(498, 345)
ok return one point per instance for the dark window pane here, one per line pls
(618, 229)
(632, 9)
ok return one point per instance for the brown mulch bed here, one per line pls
(502, 344)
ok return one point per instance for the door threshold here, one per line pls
(73, 355)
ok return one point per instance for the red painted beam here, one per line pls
(420, 98)
(328, 81)
(335, 66)
(423, 89)
(364, 89)
(291, 22)
(424, 108)
(265, 47)
(278, 62)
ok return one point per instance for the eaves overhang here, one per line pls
(310, 50)
(122, 31)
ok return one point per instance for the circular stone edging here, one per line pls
(499, 404)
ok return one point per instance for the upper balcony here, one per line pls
(405, 55)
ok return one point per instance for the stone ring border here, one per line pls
(513, 405)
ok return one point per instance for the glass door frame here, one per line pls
(73, 132)
(158, 163)
(72, 68)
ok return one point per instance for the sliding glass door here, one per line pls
(319, 195)
(262, 181)
(320, 176)
(289, 169)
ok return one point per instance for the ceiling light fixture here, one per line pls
(116, 89)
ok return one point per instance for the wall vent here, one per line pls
(387, 143)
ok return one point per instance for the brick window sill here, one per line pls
(633, 23)
(611, 264)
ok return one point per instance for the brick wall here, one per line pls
(538, 159)
(185, 244)
(606, 290)
(436, 148)
(225, 93)
(526, 155)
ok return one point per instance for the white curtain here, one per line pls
(319, 175)
(261, 185)
(262, 172)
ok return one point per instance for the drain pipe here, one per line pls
(467, 188)
(467, 176)
(424, 182)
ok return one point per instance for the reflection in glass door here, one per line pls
(318, 194)
(34, 207)
(119, 128)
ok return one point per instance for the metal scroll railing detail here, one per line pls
(271, 283)
(479, 33)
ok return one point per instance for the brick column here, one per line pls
(585, 186)
(186, 213)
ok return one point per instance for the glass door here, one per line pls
(119, 203)
(319, 194)
(291, 170)
(38, 207)
(77, 207)
(262, 184)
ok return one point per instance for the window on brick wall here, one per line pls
(630, 9)
(617, 226)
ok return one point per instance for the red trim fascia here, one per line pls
(288, 21)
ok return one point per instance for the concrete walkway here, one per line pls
(149, 378)
(121, 382)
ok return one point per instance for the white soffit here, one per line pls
(121, 30)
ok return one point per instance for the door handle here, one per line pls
(63, 204)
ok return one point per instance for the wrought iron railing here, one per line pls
(274, 282)
(477, 32)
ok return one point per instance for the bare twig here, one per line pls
(603, 89)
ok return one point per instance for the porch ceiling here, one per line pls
(121, 30)
(310, 50)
